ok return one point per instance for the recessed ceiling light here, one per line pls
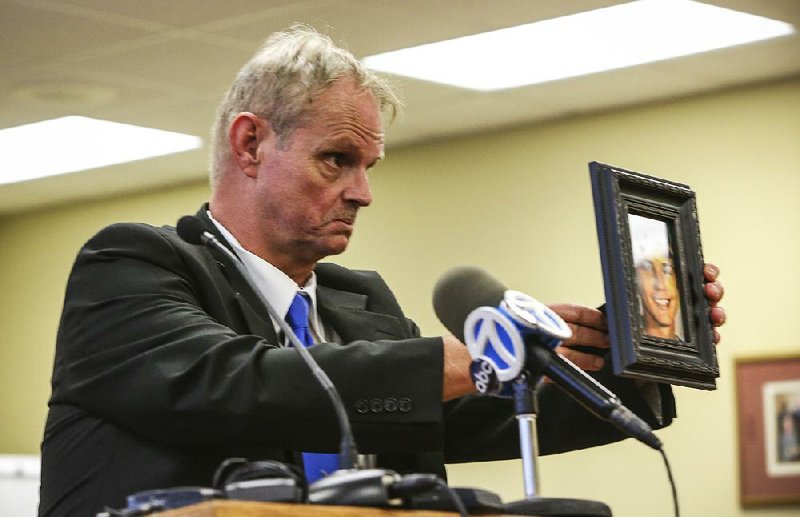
(74, 143)
(614, 37)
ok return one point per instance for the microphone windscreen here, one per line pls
(190, 229)
(462, 290)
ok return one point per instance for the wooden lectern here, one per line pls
(223, 508)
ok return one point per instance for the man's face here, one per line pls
(659, 292)
(311, 185)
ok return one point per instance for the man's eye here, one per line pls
(668, 269)
(336, 159)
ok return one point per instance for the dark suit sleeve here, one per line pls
(484, 428)
(148, 341)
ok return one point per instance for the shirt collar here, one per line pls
(274, 284)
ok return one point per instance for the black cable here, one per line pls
(457, 502)
(140, 511)
(671, 482)
(241, 469)
(413, 484)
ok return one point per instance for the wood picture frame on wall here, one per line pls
(652, 259)
(768, 421)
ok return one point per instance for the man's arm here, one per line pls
(484, 428)
(150, 333)
(457, 379)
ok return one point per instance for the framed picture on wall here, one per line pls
(768, 417)
(652, 260)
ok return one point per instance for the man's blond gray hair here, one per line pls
(289, 69)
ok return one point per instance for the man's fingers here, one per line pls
(710, 272)
(588, 326)
(586, 336)
(583, 360)
(581, 316)
(714, 292)
(717, 316)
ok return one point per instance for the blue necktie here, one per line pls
(316, 464)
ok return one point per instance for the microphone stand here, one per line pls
(526, 410)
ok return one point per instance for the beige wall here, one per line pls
(519, 204)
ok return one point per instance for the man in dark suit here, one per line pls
(168, 363)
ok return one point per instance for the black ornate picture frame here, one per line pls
(652, 259)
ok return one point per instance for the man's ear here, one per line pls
(246, 132)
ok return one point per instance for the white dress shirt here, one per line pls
(277, 288)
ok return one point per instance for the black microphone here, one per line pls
(459, 291)
(462, 290)
(191, 230)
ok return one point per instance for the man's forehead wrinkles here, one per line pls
(345, 114)
(350, 134)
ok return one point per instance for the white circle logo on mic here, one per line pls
(533, 314)
(491, 337)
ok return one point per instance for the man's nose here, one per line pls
(358, 191)
(659, 281)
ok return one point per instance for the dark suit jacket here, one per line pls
(167, 363)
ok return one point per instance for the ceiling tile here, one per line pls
(181, 13)
(182, 62)
(167, 65)
(30, 34)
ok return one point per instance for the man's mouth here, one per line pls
(346, 218)
(661, 301)
(342, 224)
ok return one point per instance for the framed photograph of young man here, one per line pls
(652, 261)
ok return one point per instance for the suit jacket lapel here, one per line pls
(255, 313)
(346, 313)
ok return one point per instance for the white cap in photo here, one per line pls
(649, 239)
